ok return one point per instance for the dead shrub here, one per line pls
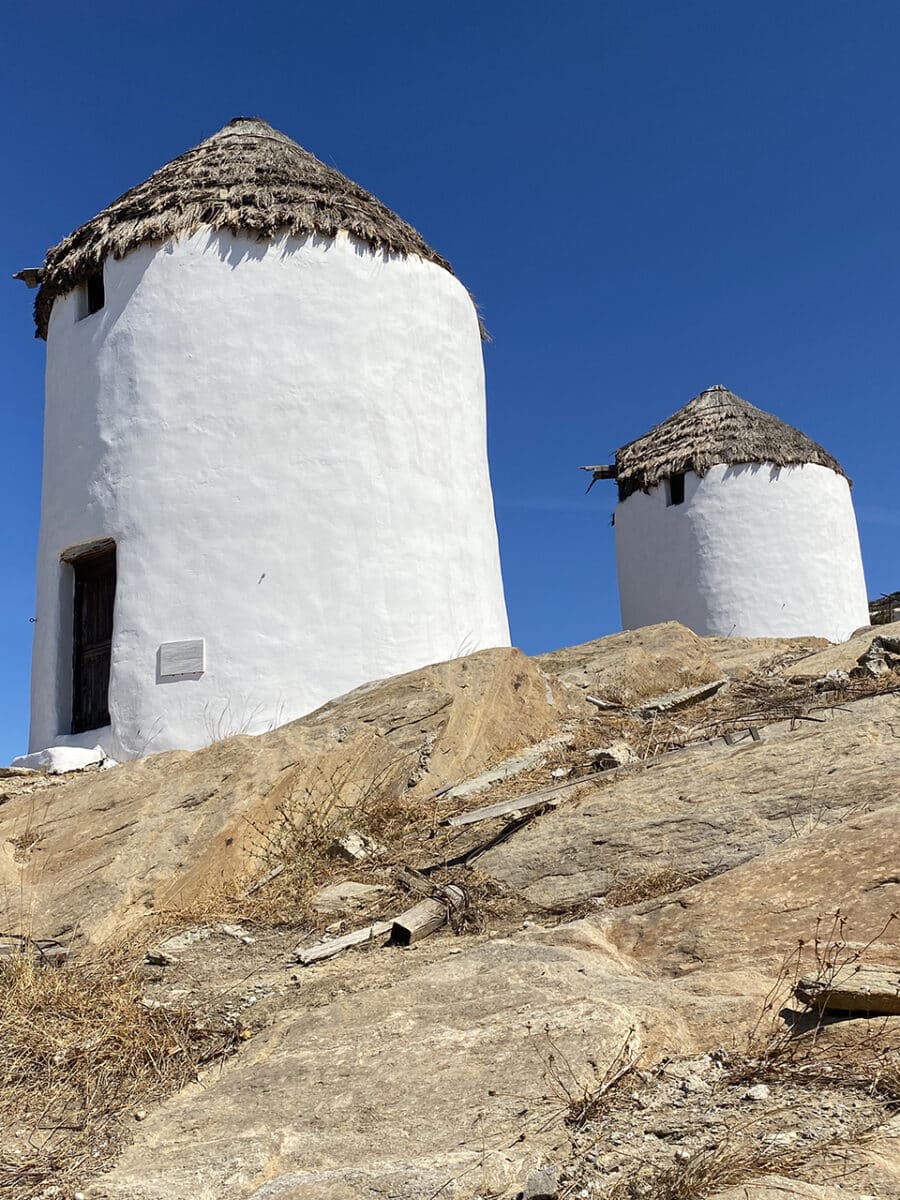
(314, 809)
(584, 1097)
(805, 1051)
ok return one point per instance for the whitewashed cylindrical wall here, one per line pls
(753, 551)
(286, 440)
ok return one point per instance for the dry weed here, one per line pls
(80, 1053)
(583, 1099)
(800, 1050)
(632, 889)
(313, 811)
(706, 1172)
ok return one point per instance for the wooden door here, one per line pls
(95, 593)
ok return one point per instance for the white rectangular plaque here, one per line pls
(182, 658)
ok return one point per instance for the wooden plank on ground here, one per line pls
(673, 701)
(520, 805)
(358, 937)
(417, 922)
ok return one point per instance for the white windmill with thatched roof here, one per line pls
(735, 524)
(265, 470)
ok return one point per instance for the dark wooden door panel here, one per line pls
(95, 592)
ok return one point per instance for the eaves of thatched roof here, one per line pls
(249, 178)
(715, 427)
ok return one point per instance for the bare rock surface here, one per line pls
(107, 847)
(621, 1045)
(707, 810)
(761, 911)
(462, 1051)
(404, 1086)
(626, 667)
(737, 657)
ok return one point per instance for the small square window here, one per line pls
(91, 295)
(675, 489)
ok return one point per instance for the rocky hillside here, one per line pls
(586, 887)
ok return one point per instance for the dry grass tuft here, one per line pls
(632, 889)
(80, 1053)
(706, 1172)
(313, 809)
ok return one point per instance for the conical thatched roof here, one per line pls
(249, 177)
(715, 427)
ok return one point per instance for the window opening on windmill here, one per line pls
(92, 295)
(675, 489)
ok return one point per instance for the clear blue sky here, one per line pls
(645, 198)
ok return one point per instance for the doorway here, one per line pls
(95, 594)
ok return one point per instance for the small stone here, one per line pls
(542, 1184)
(693, 1083)
(759, 1091)
(140, 1114)
(781, 1139)
(355, 846)
(158, 958)
(616, 754)
(237, 931)
(682, 1154)
(181, 941)
(561, 772)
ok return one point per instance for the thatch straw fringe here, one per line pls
(248, 177)
(715, 427)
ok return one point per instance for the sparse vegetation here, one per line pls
(80, 1054)
(707, 1171)
(799, 1044)
(585, 1094)
(632, 889)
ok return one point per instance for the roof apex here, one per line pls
(716, 426)
(248, 176)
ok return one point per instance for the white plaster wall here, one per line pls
(287, 442)
(754, 551)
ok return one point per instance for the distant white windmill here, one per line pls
(735, 523)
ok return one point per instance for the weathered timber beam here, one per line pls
(427, 916)
(673, 701)
(334, 946)
(414, 881)
(521, 804)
